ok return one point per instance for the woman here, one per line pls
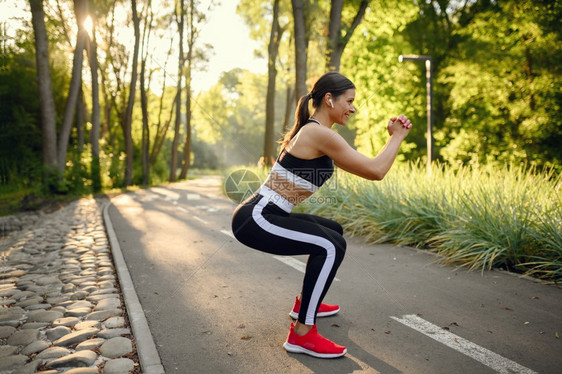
(309, 152)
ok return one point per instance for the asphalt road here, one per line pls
(216, 306)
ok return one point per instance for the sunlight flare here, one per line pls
(89, 26)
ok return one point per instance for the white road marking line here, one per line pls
(185, 210)
(200, 219)
(168, 195)
(476, 352)
(193, 196)
(294, 263)
(207, 208)
(226, 232)
(146, 196)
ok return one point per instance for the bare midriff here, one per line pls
(287, 189)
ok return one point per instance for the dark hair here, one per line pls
(331, 82)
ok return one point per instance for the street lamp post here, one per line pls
(429, 89)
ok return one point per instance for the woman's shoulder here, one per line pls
(320, 134)
(314, 140)
(306, 143)
(313, 133)
(316, 129)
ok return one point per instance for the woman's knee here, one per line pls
(341, 246)
(335, 226)
(338, 228)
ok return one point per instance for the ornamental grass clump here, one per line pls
(490, 228)
(546, 262)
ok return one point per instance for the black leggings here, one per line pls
(264, 226)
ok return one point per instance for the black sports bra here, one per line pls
(316, 171)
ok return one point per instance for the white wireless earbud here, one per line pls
(331, 103)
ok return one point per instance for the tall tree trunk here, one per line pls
(187, 142)
(334, 30)
(273, 50)
(289, 108)
(92, 48)
(81, 10)
(337, 41)
(108, 97)
(301, 48)
(127, 125)
(144, 99)
(145, 127)
(80, 120)
(174, 163)
(190, 47)
(46, 100)
(107, 106)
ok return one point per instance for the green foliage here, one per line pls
(371, 62)
(53, 181)
(497, 80)
(21, 160)
(20, 135)
(115, 169)
(95, 175)
(505, 88)
(78, 176)
(159, 172)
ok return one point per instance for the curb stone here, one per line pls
(146, 348)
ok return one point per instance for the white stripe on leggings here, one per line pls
(306, 238)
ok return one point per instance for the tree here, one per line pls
(109, 94)
(505, 85)
(337, 41)
(144, 99)
(162, 129)
(301, 48)
(81, 11)
(266, 27)
(113, 74)
(128, 118)
(21, 151)
(47, 105)
(195, 58)
(384, 86)
(270, 29)
(95, 132)
(180, 20)
(191, 38)
(273, 50)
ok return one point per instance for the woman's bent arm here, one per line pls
(345, 157)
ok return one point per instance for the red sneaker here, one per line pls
(325, 310)
(313, 344)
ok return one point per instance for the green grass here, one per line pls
(479, 218)
(18, 197)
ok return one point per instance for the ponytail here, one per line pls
(302, 114)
